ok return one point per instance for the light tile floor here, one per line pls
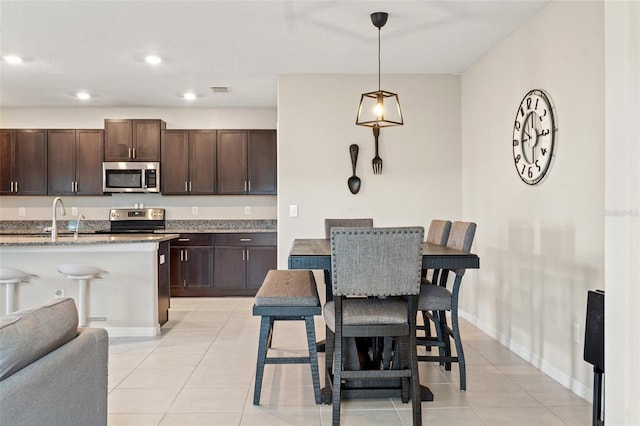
(201, 372)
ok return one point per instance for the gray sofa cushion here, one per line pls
(27, 335)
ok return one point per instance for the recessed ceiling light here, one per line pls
(153, 60)
(189, 96)
(83, 96)
(13, 59)
(220, 89)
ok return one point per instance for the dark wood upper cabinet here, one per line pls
(132, 140)
(23, 161)
(75, 162)
(262, 162)
(246, 162)
(188, 162)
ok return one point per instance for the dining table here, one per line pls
(315, 254)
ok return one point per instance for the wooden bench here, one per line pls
(287, 295)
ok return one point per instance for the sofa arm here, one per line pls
(66, 387)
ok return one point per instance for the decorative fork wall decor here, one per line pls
(377, 161)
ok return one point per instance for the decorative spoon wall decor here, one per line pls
(354, 181)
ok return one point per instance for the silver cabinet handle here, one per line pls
(181, 255)
(11, 189)
(134, 152)
(186, 187)
(245, 186)
(129, 154)
(186, 256)
(16, 187)
(243, 259)
(184, 239)
(247, 255)
(249, 186)
(73, 186)
(189, 186)
(245, 239)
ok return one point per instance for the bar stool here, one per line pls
(10, 277)
(82, 274)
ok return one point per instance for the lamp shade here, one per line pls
(379, 109)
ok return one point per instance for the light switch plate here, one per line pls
(194, 210)
(293, 210)
(74, 211)
(247, 210)
(22, 212)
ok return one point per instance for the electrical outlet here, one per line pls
(247, 210)
(194, 210)
(293, 210)
(576, 333)
(22, 212)
(59, 293)
(74, 211)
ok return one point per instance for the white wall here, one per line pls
(178, 207)
(541, 247)
(622, 212)
(420, 178)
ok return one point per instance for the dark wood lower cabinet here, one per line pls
(233, 264)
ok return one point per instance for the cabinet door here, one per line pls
(31, 162)
(117, 135)
(259, 261)
(202, 161)
(175, 270)
(229, 272)
(197, 268)
(61, 162)
(89, 155)
(174, 167)
(146, 140)
(262, 162)
(232, 162)
(6, 161)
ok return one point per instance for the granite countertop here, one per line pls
(82, 239)
(66, 227)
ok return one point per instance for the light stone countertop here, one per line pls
(83, 239)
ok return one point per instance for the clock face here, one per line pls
(533, 137)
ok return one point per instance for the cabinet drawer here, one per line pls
(246, 239)
(192, 240)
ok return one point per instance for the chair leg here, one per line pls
(313, 357)
(416, 400)
(329, 355)
(460, 352)
(337, 380)
(265, 330)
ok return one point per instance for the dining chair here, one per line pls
(436, 299)
(438, 233)
(332, 223)
(376, 282)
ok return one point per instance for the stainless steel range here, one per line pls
(140, 221)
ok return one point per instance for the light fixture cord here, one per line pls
(379, 59)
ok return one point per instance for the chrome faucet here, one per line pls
(75, 234)
(54, 225)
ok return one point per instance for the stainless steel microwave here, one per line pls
(129, 176)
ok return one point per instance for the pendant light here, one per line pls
(379, 108)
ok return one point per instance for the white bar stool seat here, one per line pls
(10, 277)
(82, 274)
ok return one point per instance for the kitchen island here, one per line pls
(127, 301)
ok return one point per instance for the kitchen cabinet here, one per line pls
(132, 140)
(247, 162)
(23, 162)
(191, 265)
(188, 162)
(75, 161)
(164, 271)
(241, 261)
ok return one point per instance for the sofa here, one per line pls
(51, 371)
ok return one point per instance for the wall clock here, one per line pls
(534, 137)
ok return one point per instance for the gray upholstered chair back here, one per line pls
(333, 223)
(461, 236)
(376, 261)
(439, 232)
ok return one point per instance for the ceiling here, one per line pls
(99, 46)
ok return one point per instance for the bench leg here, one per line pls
(265, 328)
(313, 357)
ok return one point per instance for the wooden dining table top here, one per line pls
(434, 256)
